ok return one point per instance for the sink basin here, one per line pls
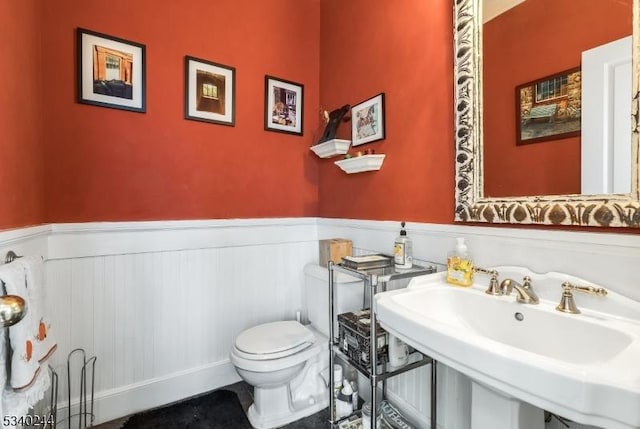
(581, 366)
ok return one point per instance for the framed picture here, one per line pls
(367, 121)
(549, 108)
(210, 92)
(111, 71)
(283, 105)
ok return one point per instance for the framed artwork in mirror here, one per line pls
(111, 71)
(283, 105)
(549, 108)
(209, 94)
(367, 121)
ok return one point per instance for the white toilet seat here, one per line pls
(282, 359)
(269, 356)
(273, 340)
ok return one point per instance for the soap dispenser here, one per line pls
(459, 265)
(403, 250)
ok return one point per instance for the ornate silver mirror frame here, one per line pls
(611, 210)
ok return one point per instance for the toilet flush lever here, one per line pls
(568, 304)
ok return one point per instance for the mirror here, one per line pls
(546, 202)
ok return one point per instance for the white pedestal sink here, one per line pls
(493, 410)
(580, 366)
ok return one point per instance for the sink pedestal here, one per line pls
(493, 410)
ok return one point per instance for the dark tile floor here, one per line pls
(245, 395)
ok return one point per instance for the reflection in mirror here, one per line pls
(528, 170)
(530, 97)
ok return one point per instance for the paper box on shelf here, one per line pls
(355, 336)
(333, 249)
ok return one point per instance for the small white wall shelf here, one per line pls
(331, 148)
(359, 164)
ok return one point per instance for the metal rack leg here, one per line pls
(434, 398)
(332, 399)
(373, 350)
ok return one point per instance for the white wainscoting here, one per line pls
(159, 302)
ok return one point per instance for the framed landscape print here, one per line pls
(111, 71)
(283, 105)
(209, 92)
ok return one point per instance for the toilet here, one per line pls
(286, 362)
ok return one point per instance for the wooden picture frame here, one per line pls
(111, 71)
(549, 108)
(283, 105)
(210, 91)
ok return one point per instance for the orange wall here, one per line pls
(107, 164)
(403, 49)
(514, 55)
(21, 155)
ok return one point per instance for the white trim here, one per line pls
(581, 238)
(175, 224)
(9, 237)
(113, 238)
(30, 240)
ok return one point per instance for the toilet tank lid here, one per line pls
(322, 273)
(274, 337)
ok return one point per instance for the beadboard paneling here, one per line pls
(153, 316)
(160, 302)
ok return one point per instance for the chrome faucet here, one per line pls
(525, 292)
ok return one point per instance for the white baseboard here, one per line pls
(115, 403)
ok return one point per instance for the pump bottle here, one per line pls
(459, 265)
(403, 250)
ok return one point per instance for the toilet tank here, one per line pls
(348, 296)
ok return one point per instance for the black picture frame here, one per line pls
(209, 91)
(283, 105)
(367, 121)
(111, 71)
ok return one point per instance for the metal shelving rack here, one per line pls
(373, 278)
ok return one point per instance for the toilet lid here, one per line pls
(275, 337)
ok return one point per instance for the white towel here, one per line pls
(18, 403)
(44, 343)
(30, 342)
(24, 365)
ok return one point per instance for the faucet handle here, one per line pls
(567, 303)
(494, 287)
(600, 291)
